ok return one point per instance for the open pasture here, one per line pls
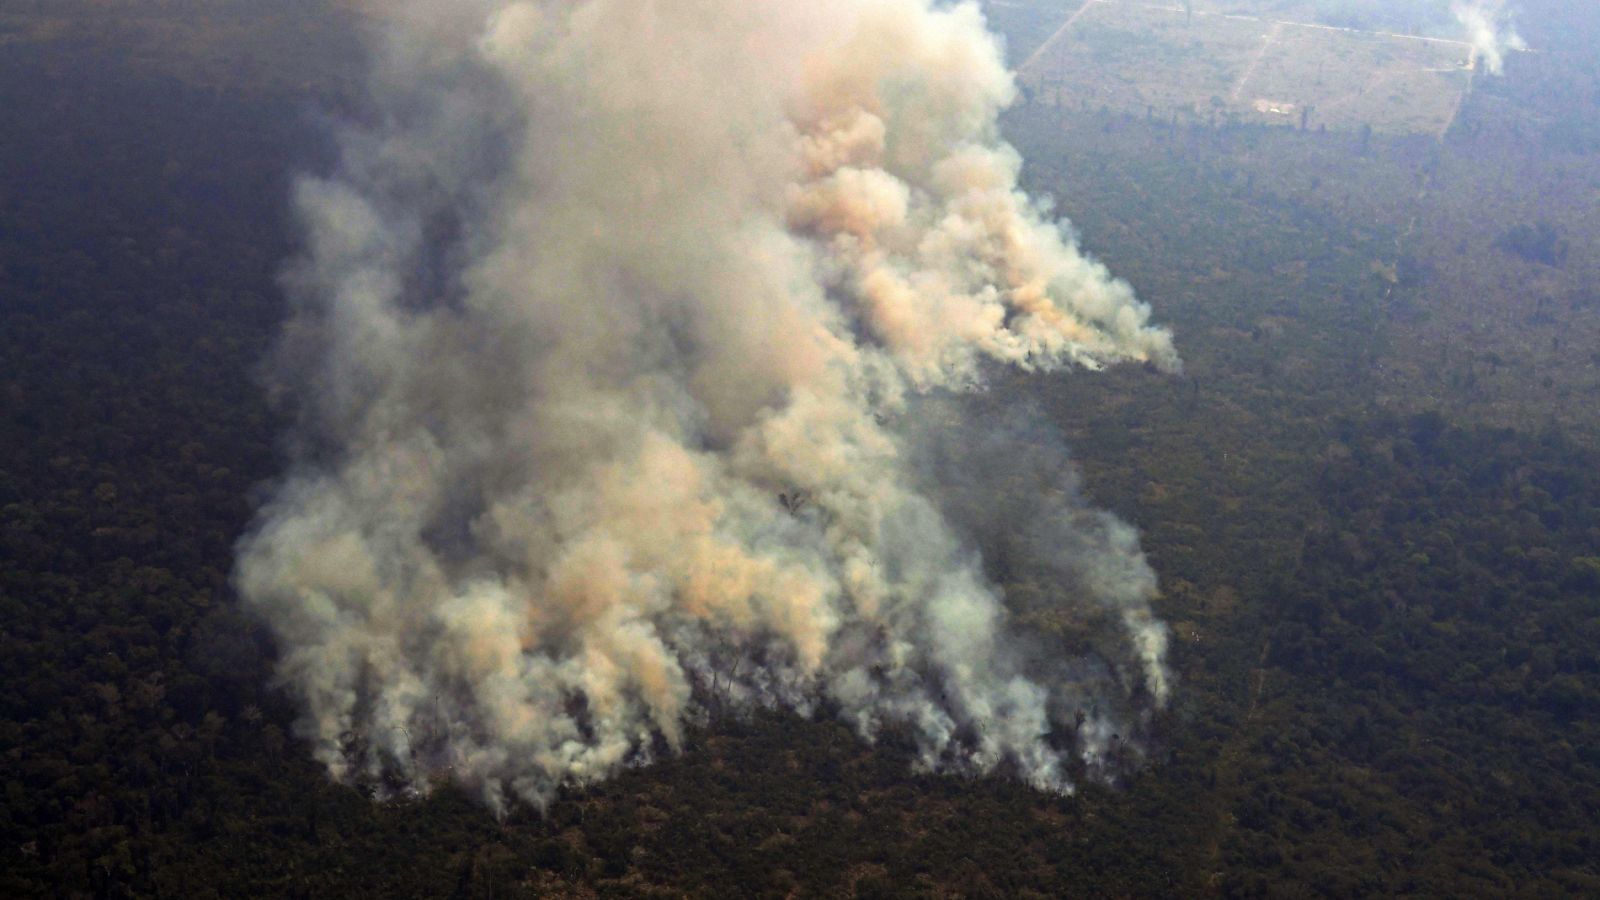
(1169, 61)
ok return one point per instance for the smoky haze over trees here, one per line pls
(1364, 512)
(706, 258)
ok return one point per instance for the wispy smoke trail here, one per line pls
(618, 341)
(1489, 28)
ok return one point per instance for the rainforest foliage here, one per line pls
(1378, 532)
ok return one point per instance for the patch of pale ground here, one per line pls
(1211, 63)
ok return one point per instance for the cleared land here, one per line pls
(1166, 61)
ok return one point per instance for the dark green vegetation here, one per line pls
(1374, 500)
(1539, 243)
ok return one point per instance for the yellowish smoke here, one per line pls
(612, 329)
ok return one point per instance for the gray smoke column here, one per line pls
(618, 339)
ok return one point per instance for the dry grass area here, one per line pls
(1399, 85)
(1135, 57)
(1206, 63)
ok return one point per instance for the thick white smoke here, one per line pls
(619, 334)
(1490, 31)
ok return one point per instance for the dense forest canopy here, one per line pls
(1372, 500)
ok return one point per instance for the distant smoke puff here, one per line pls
(609, 344)
(1489, 30)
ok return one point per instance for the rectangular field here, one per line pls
(1147, 58)
(1351, 78)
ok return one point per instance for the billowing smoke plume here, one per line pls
(1489, 28)
(629, 342)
